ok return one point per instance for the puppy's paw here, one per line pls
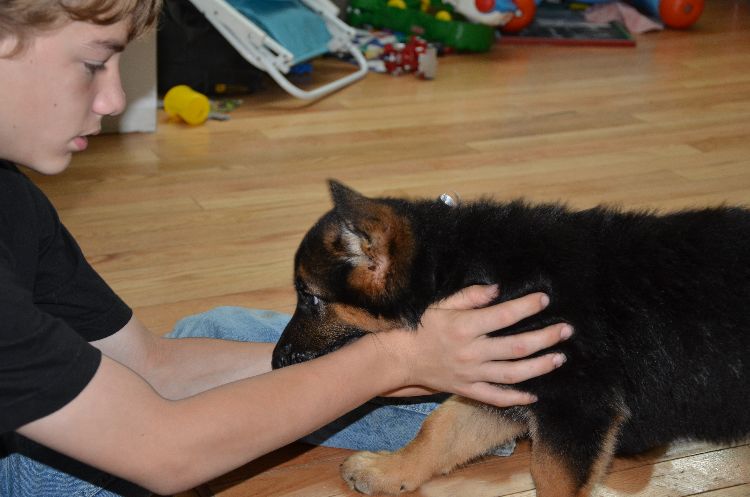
(378, 473)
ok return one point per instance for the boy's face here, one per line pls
(54, 93)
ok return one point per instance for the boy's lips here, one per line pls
(81, 143)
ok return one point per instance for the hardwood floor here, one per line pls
(187, 219)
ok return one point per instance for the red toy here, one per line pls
(416, 56)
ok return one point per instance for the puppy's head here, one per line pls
(352, 271)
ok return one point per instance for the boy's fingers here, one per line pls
(508, 313)
(469, 298)
(510, 373)
(498, 396)
(524, 344)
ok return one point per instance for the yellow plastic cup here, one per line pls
(187, 104)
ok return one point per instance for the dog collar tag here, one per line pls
(450, 199)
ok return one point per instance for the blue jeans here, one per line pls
(382, 424)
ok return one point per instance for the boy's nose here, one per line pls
(110, 100)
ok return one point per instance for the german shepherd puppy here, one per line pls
(660, 305)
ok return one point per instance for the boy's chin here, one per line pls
(52, 165)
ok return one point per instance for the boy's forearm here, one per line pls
(289, 403)
(187, 366)
(179, 368)
(168, 446)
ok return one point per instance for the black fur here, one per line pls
(660, 305)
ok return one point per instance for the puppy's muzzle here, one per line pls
(283, 356)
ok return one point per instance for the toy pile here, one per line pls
(434, 21)
(406, 36)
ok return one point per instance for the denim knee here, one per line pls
(233, 323)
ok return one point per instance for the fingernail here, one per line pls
(559, 360)
(545, 300)
(493, 291)
(566, 332)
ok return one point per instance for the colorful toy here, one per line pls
(416, 56)
(432, 21)
(509, 15)
(513, 15)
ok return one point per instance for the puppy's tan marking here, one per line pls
(553, 475)
(379, 246)
(606, 454)
(457, 432)
(357, 317)
(333, 242)
(304, 275)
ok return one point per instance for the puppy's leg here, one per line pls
(456, 432)
(570, 462)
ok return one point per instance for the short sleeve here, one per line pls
(66, 285)
(52, 304)
(44, 364)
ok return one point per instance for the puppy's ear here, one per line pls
(344, 198)
(377, 241)
(358, 213)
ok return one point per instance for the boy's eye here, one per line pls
(94, 68)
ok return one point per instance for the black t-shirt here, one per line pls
(52, 303)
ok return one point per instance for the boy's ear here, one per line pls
(378, 241)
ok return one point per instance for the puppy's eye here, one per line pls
(311, 300)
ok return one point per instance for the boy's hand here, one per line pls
(451, 351)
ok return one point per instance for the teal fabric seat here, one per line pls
(292, 25)
(275, 35)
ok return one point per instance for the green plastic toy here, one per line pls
(411, 19)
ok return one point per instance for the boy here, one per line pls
(83, 384)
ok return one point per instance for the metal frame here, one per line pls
(265, 53)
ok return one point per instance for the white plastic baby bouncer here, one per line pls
(275, 35)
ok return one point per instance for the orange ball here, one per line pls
(680, 14)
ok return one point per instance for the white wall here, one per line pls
(138, 68)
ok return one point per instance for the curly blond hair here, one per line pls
(19, 19)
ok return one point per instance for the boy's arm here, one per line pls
(121, 425)
(452, 337)
(178, 368)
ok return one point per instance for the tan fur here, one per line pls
(304, 275)
(605, 457)
(553, 477)
(457, 432)
(363, 320)
(382, 257)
